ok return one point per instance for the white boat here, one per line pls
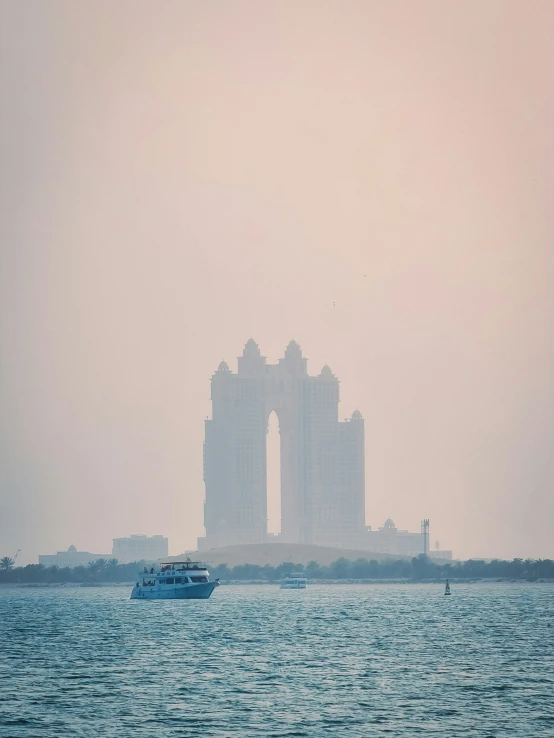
(175, 580)
(294, 581)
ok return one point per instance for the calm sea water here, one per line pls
(384, 660)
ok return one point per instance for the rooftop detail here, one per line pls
(186, 562)
(326, 372)
(293, 349)
(251, 348)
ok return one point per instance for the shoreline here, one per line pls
(263, 582)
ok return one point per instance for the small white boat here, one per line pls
(175, 580)
(294, 581)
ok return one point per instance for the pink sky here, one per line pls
(373, 179)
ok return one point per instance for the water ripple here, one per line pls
(348, 662)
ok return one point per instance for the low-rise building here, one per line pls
(386, 540)
(391, 540)
(70, 558)
(140, 548)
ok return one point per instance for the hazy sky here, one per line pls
(373, 179)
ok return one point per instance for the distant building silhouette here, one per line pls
(70, 558)
(125, 550)
(140, 547)
(389, 539)
(322, 459)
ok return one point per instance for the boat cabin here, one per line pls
(175, 572)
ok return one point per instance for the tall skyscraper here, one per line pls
(322, 459)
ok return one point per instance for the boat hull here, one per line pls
(200, 591)
(293, 585)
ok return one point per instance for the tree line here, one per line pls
(417, 569)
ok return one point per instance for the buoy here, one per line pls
(447, 589)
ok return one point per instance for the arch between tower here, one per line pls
(273, 476)
(280, 406)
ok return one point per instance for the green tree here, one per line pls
(93, 570)
(6, 563)
(112, 569)
(422, 567)
(361, 569)
(33, 573)
(313, 569)
(79, 574)
(340, 569)
(284, 569)
(221, 571)
(246, 571)
(268, 573)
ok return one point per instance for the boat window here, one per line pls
(199, 579)
(162, 581)
(178, 580)
(170, 580)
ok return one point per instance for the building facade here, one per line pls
(70, 558)
(322, 459)
(391, 540)
(140, 548)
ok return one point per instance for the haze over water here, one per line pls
(344, 661)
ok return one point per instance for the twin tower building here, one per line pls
(322, 459)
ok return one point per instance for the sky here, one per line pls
(371, 178)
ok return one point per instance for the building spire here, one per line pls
(251, 348)
(293, 349)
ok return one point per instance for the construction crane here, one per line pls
(14, 558)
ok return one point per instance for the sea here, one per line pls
(332, 660)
